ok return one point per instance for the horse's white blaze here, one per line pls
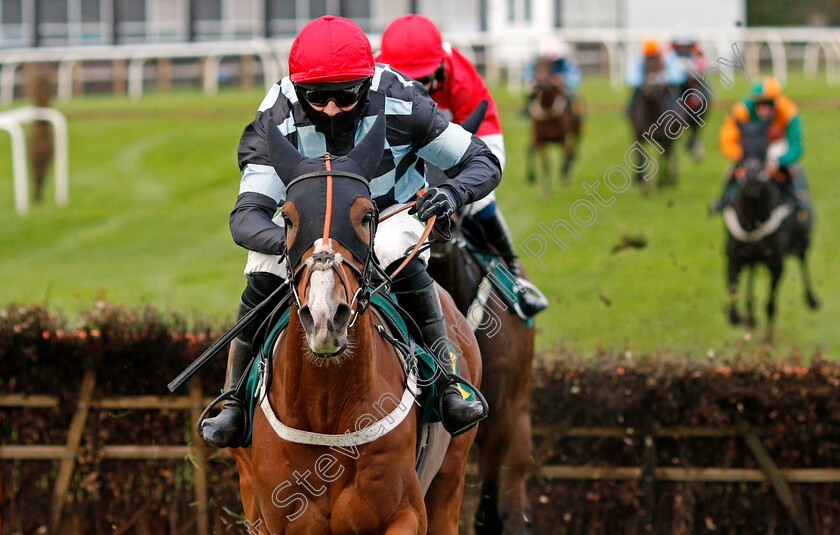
(322, 307)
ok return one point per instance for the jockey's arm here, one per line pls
(674, 72)
(793, 133)
(260, 193)
(467, 90)
(473, 170)
(730, 140)
(571, 74)
(635, 72)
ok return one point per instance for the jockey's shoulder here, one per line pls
(392, 83)
(740, 112)
(786, 108)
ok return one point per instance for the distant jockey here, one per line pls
(413, 45)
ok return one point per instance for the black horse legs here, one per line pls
(733, 270)
(750, 297)
(775, 276)
(810, 297)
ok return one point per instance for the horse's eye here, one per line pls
(367, 218)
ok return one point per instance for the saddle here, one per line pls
(495, 275)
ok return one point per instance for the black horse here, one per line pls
(761, 229)
(699, 106)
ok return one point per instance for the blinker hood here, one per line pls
(306, 186)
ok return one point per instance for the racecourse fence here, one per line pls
(620, 444)
(500, 56)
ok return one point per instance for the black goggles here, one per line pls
(343, 97)
(427, 79)
(437, 74)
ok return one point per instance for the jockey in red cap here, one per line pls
(331, 98)
(413, 45)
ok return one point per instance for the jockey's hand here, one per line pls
(772, 167)
(440, 201)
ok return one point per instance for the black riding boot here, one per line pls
(416, 292)
(496, 231)
(227, 429)
(727, 197)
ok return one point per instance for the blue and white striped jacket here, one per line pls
(415, 129)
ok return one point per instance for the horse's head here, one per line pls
(330, 223)
(751, 173)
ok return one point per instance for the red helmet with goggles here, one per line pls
(412, 44)
(330, 49)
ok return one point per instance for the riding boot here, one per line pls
(496, 232)
(227, 429)
(417, 293)
(801, 200)
(727, 197)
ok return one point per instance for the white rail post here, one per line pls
(7, 82)
(11, 121)
(18, 164)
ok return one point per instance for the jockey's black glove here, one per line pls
(440, 201)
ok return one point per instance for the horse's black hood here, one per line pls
(305, 181)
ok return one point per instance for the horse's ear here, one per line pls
(284, 156)
(471, 123)
(368, 152)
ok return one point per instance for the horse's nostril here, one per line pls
(341, 317)
(306, 319)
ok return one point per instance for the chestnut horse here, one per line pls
(507, 351)
(552, 121)
(337, 469)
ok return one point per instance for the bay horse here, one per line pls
(553, 121)
(319, 462)
(761, 228)
(650, 104)
(699, 109)
(507, 351)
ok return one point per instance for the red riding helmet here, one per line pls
(330, 49)
(412, 44)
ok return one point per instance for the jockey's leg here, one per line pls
(416, 292)
(264, 274)
(798, 192)
(727, 196)
(489, 218)
(227, 429)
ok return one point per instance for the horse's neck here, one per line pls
(324, 398)
(753, 211)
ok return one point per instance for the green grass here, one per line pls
(152, 183)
